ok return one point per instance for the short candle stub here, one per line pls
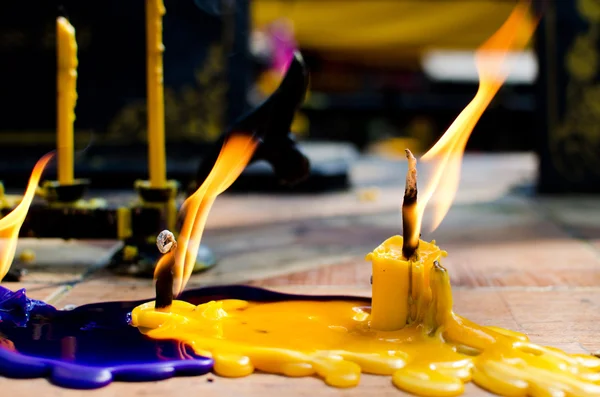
(166, 244)
(409, 209)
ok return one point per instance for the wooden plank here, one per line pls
(509, 170)
(566, 318)
(488, 245)
(63, 261)
(44, 292)
(257, 385)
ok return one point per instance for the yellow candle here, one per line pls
(391, 272)
(397, 282)
(155, 10)
(66, 53)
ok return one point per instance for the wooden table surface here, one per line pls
(528, 263)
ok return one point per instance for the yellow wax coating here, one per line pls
(155, 10)
(66, 54)
(435, 354)
(391, 281)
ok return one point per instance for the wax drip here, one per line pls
(434, 355)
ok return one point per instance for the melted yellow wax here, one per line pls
(434, 354)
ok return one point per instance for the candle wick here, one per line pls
(167, 245)
(165, 241)
(410, 222)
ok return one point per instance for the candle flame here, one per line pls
(10, 225)
(233, 158)
(447, 153)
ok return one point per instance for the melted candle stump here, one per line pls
(434, 354)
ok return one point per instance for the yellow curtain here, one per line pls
(386, 31)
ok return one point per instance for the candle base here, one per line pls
(55, 192)
(139, 255)
(137, 259)
(67, 214)
(163, 198)
(151, 194)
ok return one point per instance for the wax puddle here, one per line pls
(291, 335)
(85, 347)
(436, 354)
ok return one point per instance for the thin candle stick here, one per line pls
(155, 10)
(66, 54)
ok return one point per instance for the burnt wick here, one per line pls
(165, 241)
(410, 232)
(163, 274)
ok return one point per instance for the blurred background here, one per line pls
(385, 75)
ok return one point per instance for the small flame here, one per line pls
(11, 224)
(491, 62)
(235, 155)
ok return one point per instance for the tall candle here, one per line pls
(155, 10)
(66, 53)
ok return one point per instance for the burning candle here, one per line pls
(393, 263)
(397, 259)
(66, 54)
(155, 10)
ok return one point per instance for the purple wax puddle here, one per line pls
(87, 347)
(92, 345)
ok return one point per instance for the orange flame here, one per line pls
(11, 223)
(235, 155)
(491, 62)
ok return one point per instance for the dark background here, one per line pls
(209, 70)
